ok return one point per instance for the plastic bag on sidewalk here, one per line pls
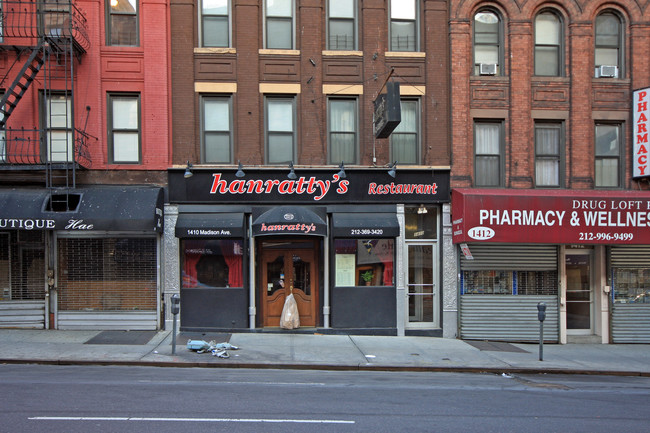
(199, 346)
(290, 319)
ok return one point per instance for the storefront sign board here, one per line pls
(317, 187)
(551, 217)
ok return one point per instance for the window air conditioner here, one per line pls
(487, 68)
(607, 71)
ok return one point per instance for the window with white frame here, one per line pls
(404, 140)
(342, 124)
(122, 27)
(124, 128)
(341, 25)
(488, 52)
(609, 46)
(58, 126)
(549, 145)
(608, 155)
(548, 45)
(280, 129)
(215, 23)
(217, 129)
(279, 24)
(403, 25)
(488, 154)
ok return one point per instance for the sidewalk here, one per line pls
(317, 351)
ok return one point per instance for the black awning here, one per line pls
(210, 225)
(289, 220)
(372, 225)
(100, 208)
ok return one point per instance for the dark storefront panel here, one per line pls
(364, 307)
(375, 225)
(210, 225)
(209, 308)
(212, 283)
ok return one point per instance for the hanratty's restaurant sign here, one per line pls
(315, 187)
(551, 217)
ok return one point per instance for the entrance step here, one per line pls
(584, 339)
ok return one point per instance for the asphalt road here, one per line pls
(38, 398)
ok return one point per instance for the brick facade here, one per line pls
(309, 67)
(519, 98)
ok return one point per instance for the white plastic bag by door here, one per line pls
(290, 319)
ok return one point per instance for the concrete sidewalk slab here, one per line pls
(328, 351)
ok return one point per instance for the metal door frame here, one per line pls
(435, 323)
(590, 254)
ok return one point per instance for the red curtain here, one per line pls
(233, 254)
(189, 270)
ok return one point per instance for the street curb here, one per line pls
(329, 367)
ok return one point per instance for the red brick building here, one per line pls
(546, 138)
(288, 88)
(83, 157)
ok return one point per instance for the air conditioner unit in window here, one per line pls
(607, 71)
(487, 68)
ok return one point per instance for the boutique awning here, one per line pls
(372, 225)
(289, 220)
(210, 225)
(100, 208)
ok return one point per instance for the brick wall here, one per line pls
(368, 67)
(519, 98)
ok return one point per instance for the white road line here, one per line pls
(251, 420)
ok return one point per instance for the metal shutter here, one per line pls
(511, 257)
(630, 322)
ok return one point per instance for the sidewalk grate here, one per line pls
(495, 346)
(122, 337)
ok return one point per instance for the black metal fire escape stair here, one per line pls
(21, 83)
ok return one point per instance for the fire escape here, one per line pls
(41, 43)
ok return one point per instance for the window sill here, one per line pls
(413, 54)
(214, 50)
(555, 79)
(328, 53)
(263, 52)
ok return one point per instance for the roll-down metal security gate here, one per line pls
(500, 289)
(630, 272)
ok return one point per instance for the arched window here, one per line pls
(488, 43)
(609, 46)
(548, 45)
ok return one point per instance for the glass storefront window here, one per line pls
(212, 263)
(495, 282)
(364, 262)
(631, 286)
(421, 222)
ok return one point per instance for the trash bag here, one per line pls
(199, 346)
(290, 319)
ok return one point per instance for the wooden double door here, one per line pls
(289, 266)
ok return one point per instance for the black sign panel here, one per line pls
(267, 186)
(388, 111)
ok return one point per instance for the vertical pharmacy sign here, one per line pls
(641, 147)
